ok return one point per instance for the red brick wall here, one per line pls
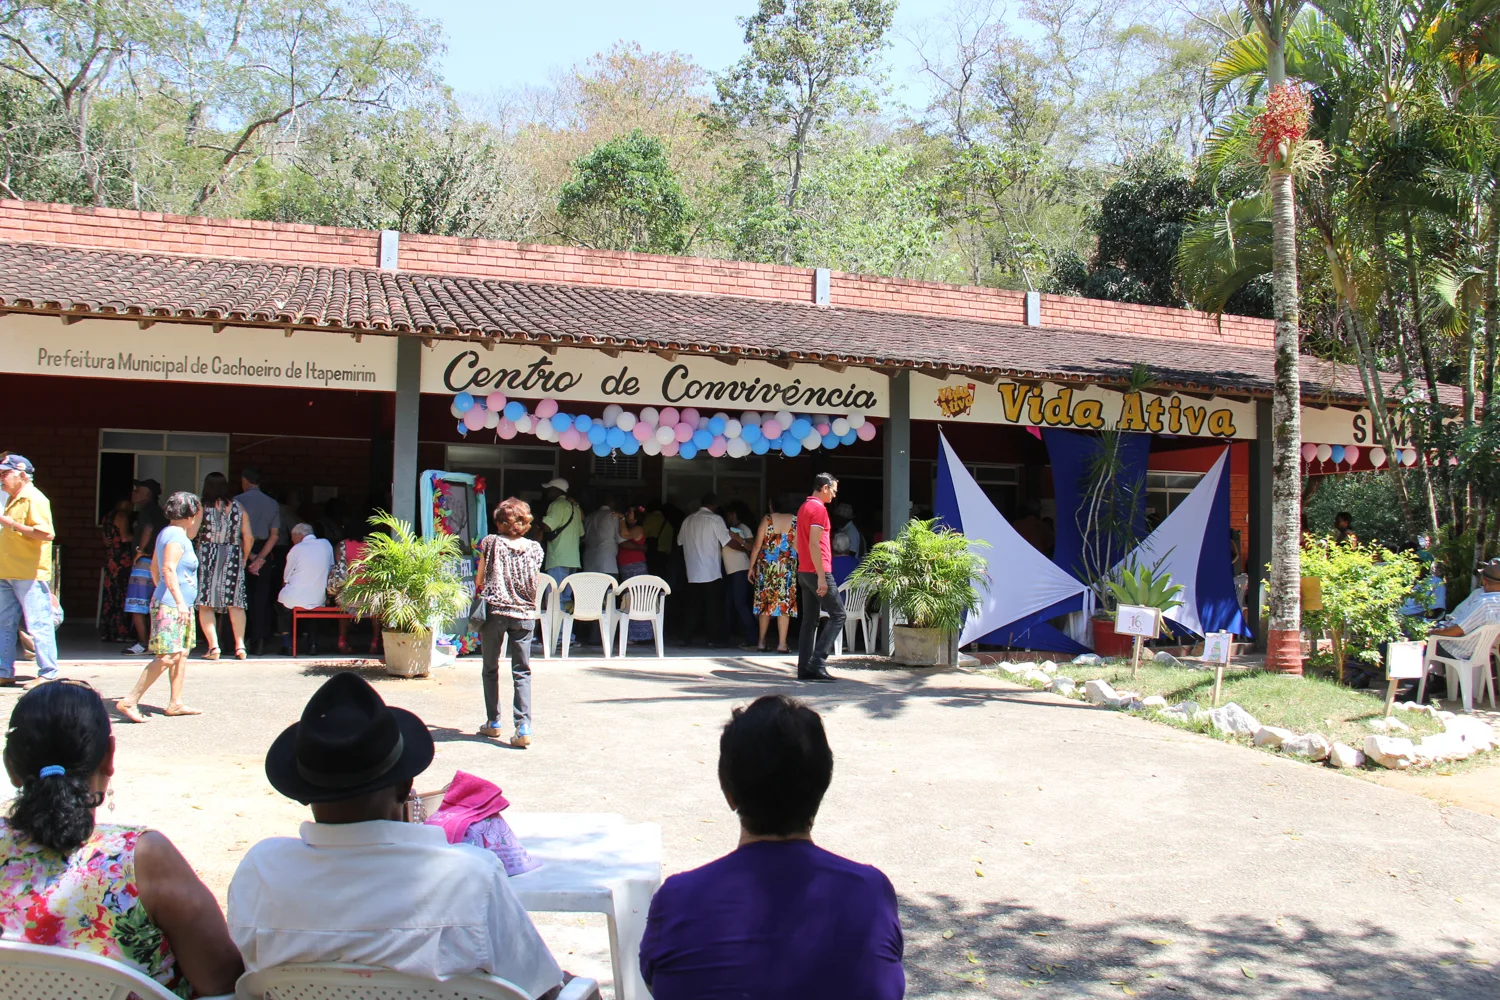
(159, 233)
(67, 464)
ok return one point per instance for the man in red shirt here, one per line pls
(815, 588)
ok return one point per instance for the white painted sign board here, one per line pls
(1217, 647)
(1133, 620)
(1403, 661)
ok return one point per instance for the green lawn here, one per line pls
(1301, 704)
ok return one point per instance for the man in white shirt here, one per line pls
(361, 886)
(703, 536)
(1480, 608)
(601, 541)
(304, 580)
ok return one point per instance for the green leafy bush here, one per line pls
(929, 575)
(1364, 587)
(409, 584)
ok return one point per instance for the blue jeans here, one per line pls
(30, 600)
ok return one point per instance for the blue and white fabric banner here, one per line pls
(1193, 545)
(1022, 581)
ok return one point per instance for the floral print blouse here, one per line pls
(87, 901)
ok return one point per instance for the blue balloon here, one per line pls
(775, 444)
(464, 402)
(791, 449)
(702, 439)
(601, 449)
(630, 445)
(849, 438)
(716, 426)
(614, 437)
(463, 429)
(561, 422)
(801, 428)
(687, 450)
(760, 445)
(514, 410)
(752, 433)
(830, 440)
(598, 434)
(583, 422)
(1338, 454)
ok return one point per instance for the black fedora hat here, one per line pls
(349, 743)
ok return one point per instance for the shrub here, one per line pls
(1364, 587)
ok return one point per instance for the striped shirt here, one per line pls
(1473, 613)
(511, 566)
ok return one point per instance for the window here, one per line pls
(1165, 492)
(177, 460)
(619, 468)
(1002, 484)
(508, 470)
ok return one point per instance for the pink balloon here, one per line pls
(771, 429)
(1309, 452)
(670, 448)
(684, 432)
(506, 429)
(690, 416)
(822, 428)
(547, 408)
(865, 432)
(719, 447)
(495, 401)
(569, 438)
(669, 417)
(1351, 454)
(474, 419)
(643, 432)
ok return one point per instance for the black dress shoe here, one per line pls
(819, 676)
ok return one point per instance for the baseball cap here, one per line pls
(556, 484)
(18, 463)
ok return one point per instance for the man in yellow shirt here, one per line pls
(26, 535)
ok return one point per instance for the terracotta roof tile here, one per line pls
(108, 282)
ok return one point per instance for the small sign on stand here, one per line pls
(1403, 662)
(1143, 623)
(1218, 649)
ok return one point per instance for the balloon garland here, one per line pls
(1350, 454)
(683, 433)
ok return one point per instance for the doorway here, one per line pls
(178, 460)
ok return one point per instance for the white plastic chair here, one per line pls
(40, 972)
(838, 640)
(1472, 675)
(342, 981)
(546, 617)
(857, 616)
(593, 601)
(642, 599)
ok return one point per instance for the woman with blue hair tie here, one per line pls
(120, 892)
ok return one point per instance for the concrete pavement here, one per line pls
(1118, 857)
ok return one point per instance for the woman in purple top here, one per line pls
(779, 918)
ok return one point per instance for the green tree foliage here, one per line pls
(1363, 590)
(624, 196)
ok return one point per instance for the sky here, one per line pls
(504, 44)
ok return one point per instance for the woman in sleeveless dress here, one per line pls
(224, 543)
(773, 573)
(123, 893)
(632, 561)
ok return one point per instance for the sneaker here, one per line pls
(491, 730)
(135, 649)
(522, 738)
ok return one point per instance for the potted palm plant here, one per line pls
(410, 585)
(929, 577)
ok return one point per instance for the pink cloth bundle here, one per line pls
(470, 814)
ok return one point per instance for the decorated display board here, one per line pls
(684, 433)
(453, 504)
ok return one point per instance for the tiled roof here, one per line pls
(50, 278)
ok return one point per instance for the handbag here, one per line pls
(479, 610)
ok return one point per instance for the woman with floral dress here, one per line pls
(117, 529)
(123, 893)
(773, 573)
(224, 543)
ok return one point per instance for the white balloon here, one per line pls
(612, 413)
(625, 421)
(812, 441)
(1409, 457)
(856, 420)
(738, 448)
(1325, 452)
(544, 430)
(702, 422)
(453, 409)
(651, 415)
(840, 426)
(771, 416)
(750, 417)
(1377, 457)
(784, 418)
(732, 428)
(722, 416)
(492, 419)
(666, 434)
(525, 424)
(651, 446)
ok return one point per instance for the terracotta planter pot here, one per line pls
(408, 655)
(1107, 643)
(925, 647)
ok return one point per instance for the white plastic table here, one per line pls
(594, 863)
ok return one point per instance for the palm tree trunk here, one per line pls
(1284, 641)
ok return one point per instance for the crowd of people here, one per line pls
(778, 917)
